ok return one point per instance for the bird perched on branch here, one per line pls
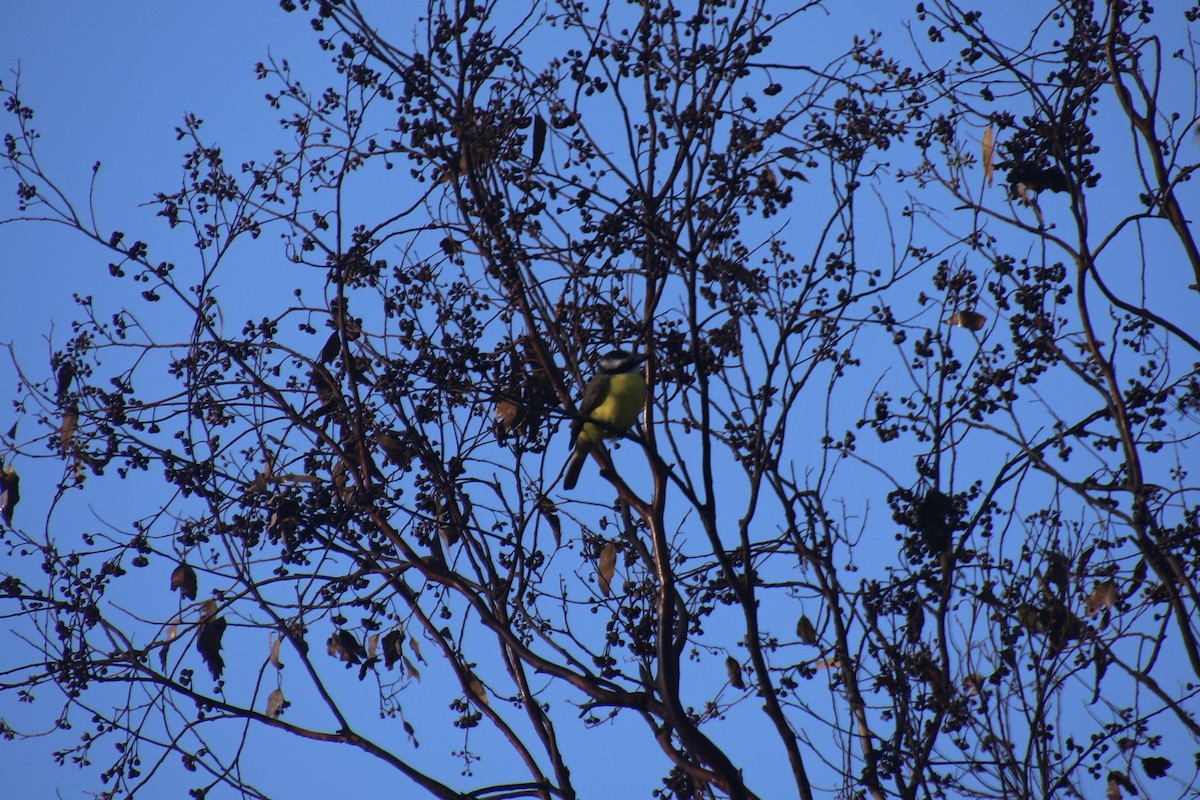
(611, 403)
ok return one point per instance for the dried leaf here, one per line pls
(1116, 782)
(276, 704)
(416, 648)
(608, 565)
(343, 646)
(967, 319)
(172, 634)
(1084, 558)
(1027, 617)
(10, 493)
(1155, 767)
(69, 423)
(394, 447)
(475, 686)
(412, 670)
(914, 621)
(1139, 577)
(1102, 598)
(373, 645)
(66, 373)
(806, 631)
(1036, 179)
(208, 608)
(208, 642)
(549, 512)
(989, 152)
(539, 141)
(392, 644)
(973, 683)
(507, 416)
(1100, 659)
(734, 669)
(184, 579)
(276, 644)
(331, 349)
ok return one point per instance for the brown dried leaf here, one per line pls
(276, 704)
(416, 648)
(1116, 782)
(967, 319)
(208, 608)
(989, 152)
(507, 416)
(1156, 767)
(412, 670)
(208, 642)
(172, 633)
(69, 424)
(806, 631)
(1139, 577)
(539, 141)
(373, 645)
(10, 492)
(392, 644)
(333, 346)
(1028, 618)
(734, 669)
(608, 565)
(1102, 598)
(549, 512)
(914, 621)
(184, 579)
(343, 646)
(475, 686)
(276, 644)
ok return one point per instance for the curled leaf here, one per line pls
(970, 320)
(69, 423)
(734, 670)
(989, 152)
(183, 579)
(343, 646)
(1156, 767)
(331, 348)
(276, 703)
(208, 642)
(608, 565)
(549, 512)
(475, 686)
(10, 493)
(539, 141)
(1102, 598)
(392, 643)
(914, 621)
(276, 644)
(806, 631)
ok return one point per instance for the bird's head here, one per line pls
(618, 361)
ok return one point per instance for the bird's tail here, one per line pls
(578, 456)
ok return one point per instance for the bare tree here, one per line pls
(909, 505)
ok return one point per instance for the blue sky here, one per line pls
(110, 83)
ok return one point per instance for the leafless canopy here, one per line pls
(908, 512)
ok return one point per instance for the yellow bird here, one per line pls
(611, 403)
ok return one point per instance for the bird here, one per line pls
(612, 400)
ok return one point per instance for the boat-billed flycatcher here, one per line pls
(611, 404)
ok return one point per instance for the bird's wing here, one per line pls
(593, 395)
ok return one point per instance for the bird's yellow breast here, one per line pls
(619, 409)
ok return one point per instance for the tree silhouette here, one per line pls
(908, 511)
